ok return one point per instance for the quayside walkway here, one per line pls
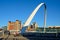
(11, 37)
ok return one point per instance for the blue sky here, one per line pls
(11, 10)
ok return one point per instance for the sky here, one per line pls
(12, 10)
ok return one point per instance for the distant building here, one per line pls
(32, 27)
(1, 29)
(53, 26)
(14, 26)
(1, 32)
(35, 25)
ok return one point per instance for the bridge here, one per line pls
(32, 15)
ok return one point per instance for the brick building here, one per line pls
(14, 26)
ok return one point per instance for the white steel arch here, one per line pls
(32, 15)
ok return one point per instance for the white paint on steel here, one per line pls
(32, 15)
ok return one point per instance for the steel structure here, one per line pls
(33, 14)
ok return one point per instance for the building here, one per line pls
(14, 26)
(35, 25)
(32, 27)
(54, 27)
(1, 32)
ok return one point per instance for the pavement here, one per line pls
(11, 37)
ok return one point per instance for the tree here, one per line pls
(4, 27)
